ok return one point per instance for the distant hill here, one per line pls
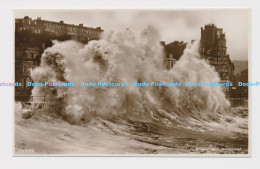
(240, 65)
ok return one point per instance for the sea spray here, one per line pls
(126, 57)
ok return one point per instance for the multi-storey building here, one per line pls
(213, 49)
(75, 32)
(32, 36)
(26, 59)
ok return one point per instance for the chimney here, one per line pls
(81, 25)
(61, 22)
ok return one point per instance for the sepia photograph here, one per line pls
(132, 82)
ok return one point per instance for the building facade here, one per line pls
(32, 36)
(26, 59)
(75, 32)
(213, 49)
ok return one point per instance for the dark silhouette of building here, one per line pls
(26, 59)
(57, 29)
(213, 49)
(173, 51)
(32, 36)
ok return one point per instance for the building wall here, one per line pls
(213, 49)
(32, 36)
(26, 59)
(76, 32)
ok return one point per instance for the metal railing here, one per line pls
(38, 99)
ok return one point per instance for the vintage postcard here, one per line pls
(132, 82)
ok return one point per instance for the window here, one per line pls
(24, 83)
(32, 56)
(224, 69)
(24, 69)
(216, 68)
(226, 89)
(16, 72)
(208, 51)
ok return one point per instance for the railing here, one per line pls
(37, 99)
(36, 102)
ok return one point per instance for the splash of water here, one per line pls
(126, 57)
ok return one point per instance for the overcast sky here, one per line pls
(175, 24)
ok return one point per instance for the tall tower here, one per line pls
(213, 41)
(213, 49)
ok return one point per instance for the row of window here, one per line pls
(225, 89)
(217, 59)
(218, 53)
(221, 43)
(27, 55)
(28, 68)
(30, 55)
(29, 22)
(221, 68)
(73, 29)
(22, 29)
(37, 31)
(53, 27)
(80, 38)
